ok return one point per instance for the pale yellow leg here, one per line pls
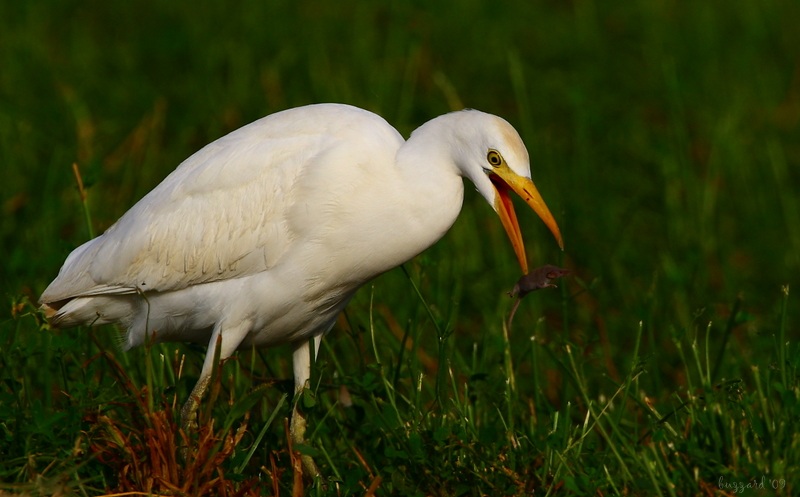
(232, 338)
(301, 360)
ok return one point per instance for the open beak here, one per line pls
(504, 180)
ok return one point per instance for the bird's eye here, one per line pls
(494, 158)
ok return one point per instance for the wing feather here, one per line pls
(221, 214)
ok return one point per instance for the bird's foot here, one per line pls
(297, 431)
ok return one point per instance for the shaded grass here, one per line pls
(663, 136)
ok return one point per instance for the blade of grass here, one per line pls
(84, 200)
(726, 334)
(262, 432)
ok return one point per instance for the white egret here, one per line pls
(263, 236)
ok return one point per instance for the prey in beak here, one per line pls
(539, 278)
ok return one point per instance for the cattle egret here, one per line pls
(264, 235)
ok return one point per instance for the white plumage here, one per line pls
(264, 235)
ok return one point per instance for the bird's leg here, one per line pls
(213, 355)
(302, 359)
(189, 410)
(218, 350)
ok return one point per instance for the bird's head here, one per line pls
(490, 152)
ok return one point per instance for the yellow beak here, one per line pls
(504, 179)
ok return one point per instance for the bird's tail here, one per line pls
(88, 311)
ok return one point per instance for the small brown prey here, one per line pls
(537, 279)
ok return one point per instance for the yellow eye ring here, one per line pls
(494, 158)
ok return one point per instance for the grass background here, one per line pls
(664, 136)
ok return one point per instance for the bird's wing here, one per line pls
(221, 214)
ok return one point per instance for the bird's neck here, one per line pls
(434, 186)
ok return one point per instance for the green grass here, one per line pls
(663, 135)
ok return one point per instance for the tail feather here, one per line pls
(89, 311)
